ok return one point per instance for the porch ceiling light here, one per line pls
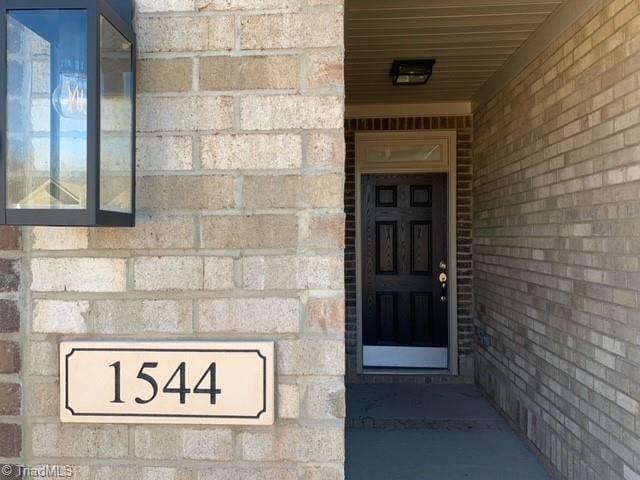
(67, 100)
(411, 72)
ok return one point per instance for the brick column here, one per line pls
(10, 382)
(239, 235)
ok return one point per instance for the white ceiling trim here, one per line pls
(391, 110)
(561, 19)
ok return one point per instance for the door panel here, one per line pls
(421, 308)
(387, 318)
(387, 247)
(421, 247)
(404, 240)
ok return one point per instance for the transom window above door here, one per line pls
(405, 151)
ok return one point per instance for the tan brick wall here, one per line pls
(557, 231)
(239, 235)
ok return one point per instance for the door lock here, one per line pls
(442, 278)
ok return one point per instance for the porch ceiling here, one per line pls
(470, 40)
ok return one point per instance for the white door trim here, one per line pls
(446, 164)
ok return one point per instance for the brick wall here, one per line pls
(463, 127)
(240, 189)
(10, 354)
(557, 238)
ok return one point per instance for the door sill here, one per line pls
(405, 357)
(408, 371)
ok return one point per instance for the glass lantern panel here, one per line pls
(116, 119)
(46, 109)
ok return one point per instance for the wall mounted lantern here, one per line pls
(68, 112)
(411, 72)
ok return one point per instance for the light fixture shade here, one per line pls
(411, 72)
(68, 124)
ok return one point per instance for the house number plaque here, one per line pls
(225, 383)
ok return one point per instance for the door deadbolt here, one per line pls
(443, 282)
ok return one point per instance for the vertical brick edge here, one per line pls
(10, 359)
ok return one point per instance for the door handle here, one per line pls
(442, 278)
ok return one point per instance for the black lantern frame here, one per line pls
(118, 14)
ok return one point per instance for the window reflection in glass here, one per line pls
(46, 109)
(422, 153)
(408, 153)
(116, 119)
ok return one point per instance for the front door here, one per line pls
(404, 256)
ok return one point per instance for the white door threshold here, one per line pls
(405, 357)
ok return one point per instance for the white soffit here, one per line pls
(470, 40)
(479, 46)
(568, 13)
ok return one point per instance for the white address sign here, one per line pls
(225, 383)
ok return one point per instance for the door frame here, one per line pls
(448, 140)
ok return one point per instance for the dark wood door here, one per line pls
(404, 240)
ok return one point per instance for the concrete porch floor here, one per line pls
(431, 432)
